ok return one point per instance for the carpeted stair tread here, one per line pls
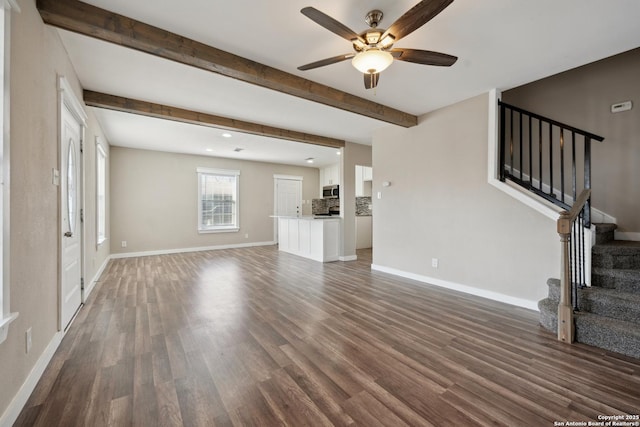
(605, 232)
(548, 314)
(618, 244)
(611, 334)
(611, 303)
(617, 254)
(604, 227)
(554, 289)
(625, 280)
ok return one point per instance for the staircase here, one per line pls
(609, 310)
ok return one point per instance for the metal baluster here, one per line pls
(511, 141)
(587, 178)
(551, 192)
(581, 255)
(520, 131)
(562, 164)
(540, 179)
(530, 156)
(503, 127)
(573, 165)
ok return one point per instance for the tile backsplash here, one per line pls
(363, 206)
(322, 206)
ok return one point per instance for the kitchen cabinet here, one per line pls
(367, 173)
(363, 232)
(330, 175)
(316, 239)
(364, 175)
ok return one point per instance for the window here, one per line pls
(101, 193)
(6, 317)
(218, 200)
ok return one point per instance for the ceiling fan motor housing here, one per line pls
(373, 18)
(373, 34)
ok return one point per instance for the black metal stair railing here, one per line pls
(553, 160)
(549, 158)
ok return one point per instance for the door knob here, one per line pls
(68, 234)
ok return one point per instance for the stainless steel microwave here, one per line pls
(331, 192)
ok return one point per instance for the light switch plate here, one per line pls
(55, 176)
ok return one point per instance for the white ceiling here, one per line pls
(500, 44)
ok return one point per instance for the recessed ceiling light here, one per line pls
(309, 160)
(210, 150)
(226, 135)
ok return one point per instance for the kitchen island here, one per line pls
(316, 238)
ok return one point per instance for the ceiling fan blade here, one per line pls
(327, 61)
(371, 80)
(425, 57)
(330, 24)
(415, 18)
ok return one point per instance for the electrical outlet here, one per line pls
(434, 262)
(379, 195)
(124, 244)
(28, 341)
(246, 236)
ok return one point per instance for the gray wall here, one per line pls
(582, 98)
(154, 200)
(439, 205)
(37, 59)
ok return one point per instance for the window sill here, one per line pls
(4, 325)
(218, 230)
(99, 243)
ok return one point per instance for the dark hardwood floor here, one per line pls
(261, 338)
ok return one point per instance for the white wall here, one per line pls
(154, 200)
(439, 205)
(37, 59)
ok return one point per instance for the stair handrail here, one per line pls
(565, 225)
(555, 146)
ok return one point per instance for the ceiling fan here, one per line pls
(373, 47)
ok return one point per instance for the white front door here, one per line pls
(71, 229)
(288, 200)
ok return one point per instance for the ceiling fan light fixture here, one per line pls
(387, 41)
(358, 44)
(372, 61)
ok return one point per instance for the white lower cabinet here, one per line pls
(317, 239)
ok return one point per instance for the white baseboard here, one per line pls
(348, 258)
(183, 250)
(507, 299)
(96, 277)
(626, 235)
(20, 399)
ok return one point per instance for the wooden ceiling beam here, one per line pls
(134, 106)
(88, 20)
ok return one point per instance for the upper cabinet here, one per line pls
(330, 175)
(364, 176)
(367, 173)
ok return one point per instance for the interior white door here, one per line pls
(70, 203)
(289, 197)
(288, 200)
